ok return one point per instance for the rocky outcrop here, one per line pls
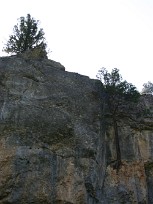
(56, 145)
(51, 134)
(132, 183)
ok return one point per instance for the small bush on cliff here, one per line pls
(119, 95)
(26, 36)
(147, 88)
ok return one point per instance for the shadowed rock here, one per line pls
(51, 138)
(57, 144)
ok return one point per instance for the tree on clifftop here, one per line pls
(118, 95)
(26, 36)
(147, 88)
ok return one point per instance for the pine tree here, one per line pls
(26, 36)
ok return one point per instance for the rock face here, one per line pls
(51, 135)
(55, 146)
(133, 183)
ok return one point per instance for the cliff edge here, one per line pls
(51, 137)
(55, 145)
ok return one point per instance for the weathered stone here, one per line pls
(58, 147)
(132, 183)
(51, 135)
(34, 53)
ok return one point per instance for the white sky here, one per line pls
(85, 35)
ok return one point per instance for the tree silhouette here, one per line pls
(26, 36)
(118, 95)
(147, 88)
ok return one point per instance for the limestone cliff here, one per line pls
(133, 183)
(55, 145)
(51, 137)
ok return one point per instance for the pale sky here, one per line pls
(85, 35)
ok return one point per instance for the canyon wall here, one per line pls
(55, 144)
(133, 182)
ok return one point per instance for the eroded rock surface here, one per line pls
(133, 182)
(51, 135)
(57, 146)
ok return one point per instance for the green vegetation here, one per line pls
(148, 166)
(26, 36)
(118, 95)
(147, 88)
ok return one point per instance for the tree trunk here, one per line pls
(117, 145)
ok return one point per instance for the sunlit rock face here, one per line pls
(58, 147)
(51, 134)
